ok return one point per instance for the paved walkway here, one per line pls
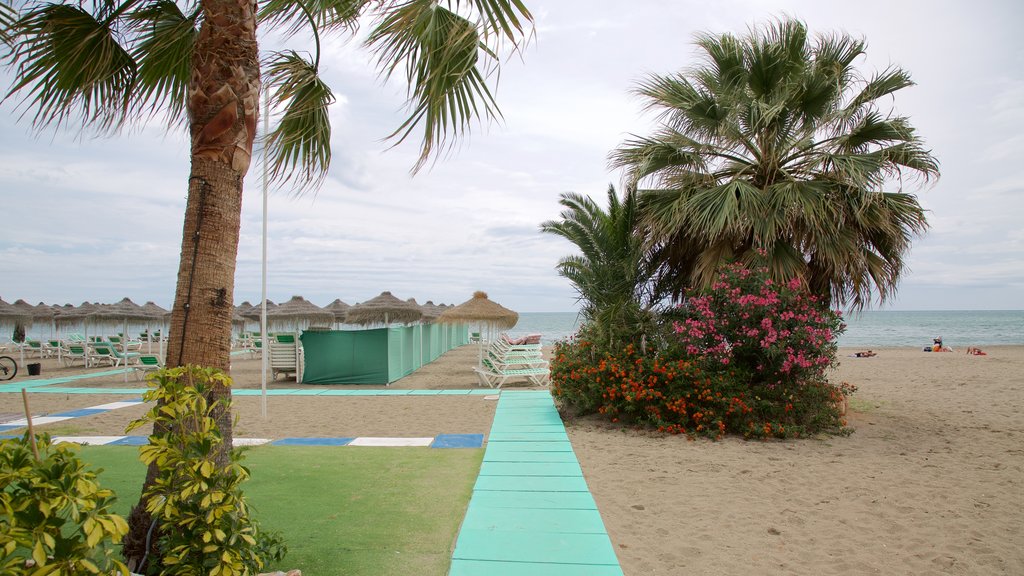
(531, 512)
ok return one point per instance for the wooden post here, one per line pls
(28, 418)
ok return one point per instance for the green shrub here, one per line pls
(205, 523)
(54, 516)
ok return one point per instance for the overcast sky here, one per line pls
(98, 220)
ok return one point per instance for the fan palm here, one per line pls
(105, 65)
(778, 152)
(611, 273)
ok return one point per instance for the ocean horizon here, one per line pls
(872, 328)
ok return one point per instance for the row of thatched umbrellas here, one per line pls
(297, 312)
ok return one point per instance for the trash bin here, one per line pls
(34, 369)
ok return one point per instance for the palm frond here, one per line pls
(293, 16)
(882, 84)
(71, 63)
(163, 50)
(298, 149)
(8, 16)
(444, 56)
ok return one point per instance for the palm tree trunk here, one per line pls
(223, 106)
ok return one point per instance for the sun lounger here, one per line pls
(286, 356)
(495, 376)
(74, 353)
(147, 363)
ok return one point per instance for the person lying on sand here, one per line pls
(867, 354)
(976, 351)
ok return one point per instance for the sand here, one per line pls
(930, 482)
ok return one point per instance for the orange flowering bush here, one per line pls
(748, 358)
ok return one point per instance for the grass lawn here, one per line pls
(342, 510)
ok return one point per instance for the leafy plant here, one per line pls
(612, 273)
(197, 500)
(54, 516)
(19, 333)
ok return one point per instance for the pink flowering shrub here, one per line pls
(776, 340)
(746, 357)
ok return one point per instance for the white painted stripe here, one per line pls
(368, 441)
(114, 405)
(249, 441)
(38, 420)
(91, 440)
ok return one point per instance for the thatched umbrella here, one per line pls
(431, 311)
(254, 311)
(481, 311)
(10, 317)
(159, 314)
(339, 309)
(383, 309)
(298, 312)
(123, 311)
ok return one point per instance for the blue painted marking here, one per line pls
(6, 427)
(458, 441)
(130, 441)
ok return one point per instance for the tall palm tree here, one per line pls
(611, 273)
(777, 151)
(106, 64)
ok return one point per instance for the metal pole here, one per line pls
(263, 308)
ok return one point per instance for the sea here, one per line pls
(872, 328)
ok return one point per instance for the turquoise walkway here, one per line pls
(531, 513)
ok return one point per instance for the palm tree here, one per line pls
(611, 274)
(778, 152)
(105, 65)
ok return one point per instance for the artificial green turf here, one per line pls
(342, 510)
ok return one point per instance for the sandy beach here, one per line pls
(930, 482)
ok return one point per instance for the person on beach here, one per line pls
(867, 354)
(976, 351)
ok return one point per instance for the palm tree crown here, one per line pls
(610, 273)
(778, 151)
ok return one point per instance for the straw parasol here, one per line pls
(298, 312)
(481, 311)
(10, 316)
(339, 309)
(383, 309)
(254, 311)
(431, 311)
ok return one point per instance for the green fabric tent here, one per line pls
(377, 356)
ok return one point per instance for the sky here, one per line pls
(99, 219)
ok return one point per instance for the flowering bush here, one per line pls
(747, 357)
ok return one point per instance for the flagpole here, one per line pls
(263, 308)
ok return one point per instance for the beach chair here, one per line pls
(52, 348)
(494, 376)
(33, 348)
(127, 358)
(286, 356)
(102, 352)
(74, 353)
(147, 363)
(513, 360)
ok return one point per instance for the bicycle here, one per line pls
(8, 367)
